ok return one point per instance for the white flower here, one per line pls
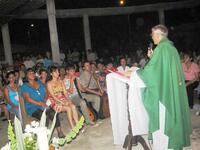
(34, 124)
(27, 128)
(30, 129)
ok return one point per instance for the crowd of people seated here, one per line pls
(66, 89)
(74, 87)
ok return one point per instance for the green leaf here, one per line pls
(11, 136)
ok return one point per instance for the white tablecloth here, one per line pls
(117, 94)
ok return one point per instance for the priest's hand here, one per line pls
(150, 52)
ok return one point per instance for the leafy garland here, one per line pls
(11, 136)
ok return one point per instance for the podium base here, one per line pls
(133, 141)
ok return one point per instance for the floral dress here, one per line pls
(58, 93)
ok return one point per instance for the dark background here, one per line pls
(122, 33)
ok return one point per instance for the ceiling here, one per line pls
(12, 8)
(75, 4)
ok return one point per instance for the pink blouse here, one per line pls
(189, 73)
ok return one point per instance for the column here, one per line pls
(53, 30)
(161, 14)
(7, 44)
(86, 26)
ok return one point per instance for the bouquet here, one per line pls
(36, 136)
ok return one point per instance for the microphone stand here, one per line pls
(131, 140)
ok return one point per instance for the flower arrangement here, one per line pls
(36, 136)
(30, 138)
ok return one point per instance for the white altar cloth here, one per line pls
(117, 94)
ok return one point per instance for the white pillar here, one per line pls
(53, 30)
(86, 26)
(7, 44)
(161, 14)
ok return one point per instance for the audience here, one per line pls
(191, 73)
(74, 89)
(89, 83)
(123, 66)
(60, 98)
(11, 95)
(89, 76)
(34, 93)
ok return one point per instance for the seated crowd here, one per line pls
(73, 94)
(76, 91)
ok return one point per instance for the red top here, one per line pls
(190, 72)
(107, 71)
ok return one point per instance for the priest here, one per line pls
(165, 92)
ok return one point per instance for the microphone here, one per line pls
(150, 45)
(150, 49)
(150, 52)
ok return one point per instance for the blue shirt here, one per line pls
(47, 62)
(14, 99)
(35, 94)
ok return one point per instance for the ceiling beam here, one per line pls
(13, 8)
(72, 13)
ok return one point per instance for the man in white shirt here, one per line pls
(28, 62)
(92, 56)
(123, 67)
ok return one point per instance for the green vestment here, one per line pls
(164, 80)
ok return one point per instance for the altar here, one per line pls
(121, 98)
(118, 95)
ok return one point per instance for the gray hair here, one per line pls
(160, 30)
